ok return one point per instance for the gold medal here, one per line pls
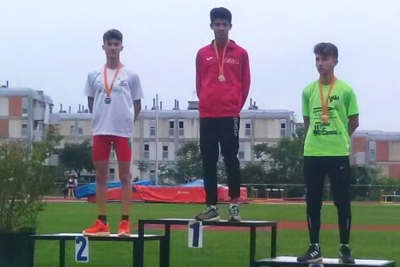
(324, 103)
(324, 118)
(107, 88)
(221, 77)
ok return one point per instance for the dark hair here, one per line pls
(326, 49)
(112, 34)
(220, 13)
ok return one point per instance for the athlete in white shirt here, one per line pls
(114, 97)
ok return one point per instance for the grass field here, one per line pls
(221, 248)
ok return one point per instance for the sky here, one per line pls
(52, 45)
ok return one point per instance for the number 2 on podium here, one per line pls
(81, 249)
(195, 231)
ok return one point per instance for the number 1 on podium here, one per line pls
(195, 235)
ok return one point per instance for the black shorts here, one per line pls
(337, 168)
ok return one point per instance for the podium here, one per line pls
(137, 249)
(327, 262)
(168, 222)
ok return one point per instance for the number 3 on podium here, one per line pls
(195, 234)
(81, 249)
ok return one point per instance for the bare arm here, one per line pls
(306, 123)
(353, 124)
(198, 75)
(137, 104)
(90, 103)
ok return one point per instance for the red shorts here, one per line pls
(101, 147)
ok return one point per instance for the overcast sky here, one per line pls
(52, 44)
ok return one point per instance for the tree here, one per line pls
(253, 173)
(166, 174)
(142, 166)
(25, 179)
(283, 161)
(188, 161)
(77, 157)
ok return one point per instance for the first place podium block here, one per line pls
(196, 240)
(82, 247)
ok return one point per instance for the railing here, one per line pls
(297, 192)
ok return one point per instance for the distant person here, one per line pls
(330, 112)
(71, 186)
(222, 85)
(114, 98)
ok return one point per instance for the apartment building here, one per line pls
(76, 127)
(377, 149)
(24, 113)
(175, 127)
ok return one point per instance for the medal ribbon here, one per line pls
(220, 65)
(106, 87)
(324, 104)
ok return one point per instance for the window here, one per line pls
(146, 153)
(112, 174)
(372, 151)
(241, 151)
(112, 152)
(283, 128)
(80, 127)
(24, 106)
(165, 152)
(247, 131)
(24, 128)
(152, 127)
(171, 128)
(181, 128)
(73, 128)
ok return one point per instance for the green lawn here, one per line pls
(219, 248)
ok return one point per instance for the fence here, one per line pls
(297, 191)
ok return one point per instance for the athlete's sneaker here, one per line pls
(97, 229)
(345, 255)
(234, 214)
(123, 229)
(209, 214)
(313, 254)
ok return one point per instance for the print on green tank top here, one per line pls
(332, 138)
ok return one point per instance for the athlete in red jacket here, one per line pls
(222, 84)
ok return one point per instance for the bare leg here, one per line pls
(101, 168)
(126, 186)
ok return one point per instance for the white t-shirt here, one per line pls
(117, 117)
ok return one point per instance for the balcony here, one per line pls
(37, 135)
(54, 119)
(38, 114)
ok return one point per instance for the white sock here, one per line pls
(233, 205)
(346, 245)
(213, 206)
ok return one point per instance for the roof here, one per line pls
(35, 94)
(185, 114)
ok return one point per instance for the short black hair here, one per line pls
(326, 49)
(112, 34)
(220, 13)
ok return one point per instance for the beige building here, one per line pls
(24, 112)
(175, 127)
